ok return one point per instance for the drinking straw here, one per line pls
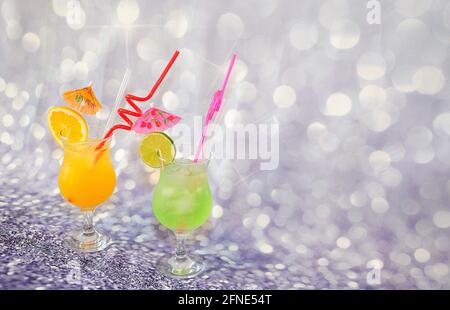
(214, 107)
(118, 99)
(137, 111)
(161, 159)
(130, 97)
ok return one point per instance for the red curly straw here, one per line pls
(137, 111)
(123, 113)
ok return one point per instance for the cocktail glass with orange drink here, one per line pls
(86, 176)
(86, 180)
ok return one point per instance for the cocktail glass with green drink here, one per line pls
(182, 200)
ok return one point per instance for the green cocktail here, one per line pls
(182, 202)
(182, 199)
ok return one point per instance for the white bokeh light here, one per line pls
(424, 155)
(9, 10)
(128, 11)
(38, 131)
(8, 120)
(18, 103)
(266, 248)
(422, 255)
(442, 219)
(177, 24)
(170, 100)
(379, 161)
(316, 130)
(372, 97)
(263, 220)
(343, 243)
(147, 49)
(344, 34)
(441, 124)
(284, 96)
(11, 90)
(254, 199)
(230, 26)
(217, 211)
(31, 42)
(377, 120)
(358, 198)
(338, 104)
(233, 117)
(59, 7)
(91, 59)
(379, 205)
(428, 80)
(371, 66)
(77, 20)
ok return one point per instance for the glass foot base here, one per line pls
(79, 241)
(188, 267)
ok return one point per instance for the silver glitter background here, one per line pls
(363, 182)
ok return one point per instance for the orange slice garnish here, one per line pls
(66, 124)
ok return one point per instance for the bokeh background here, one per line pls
(363, 110)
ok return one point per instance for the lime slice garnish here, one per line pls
(157, 149)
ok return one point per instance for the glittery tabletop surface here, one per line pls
(358, 91)
(33, 256)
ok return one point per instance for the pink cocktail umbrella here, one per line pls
(155, 119)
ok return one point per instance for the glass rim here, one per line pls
(88, 141)
(189, 161)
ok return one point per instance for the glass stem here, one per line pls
(180, 251)
(88, 223)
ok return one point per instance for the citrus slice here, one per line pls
(66, 124)
(157, 149)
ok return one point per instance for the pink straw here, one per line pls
(214, 107)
